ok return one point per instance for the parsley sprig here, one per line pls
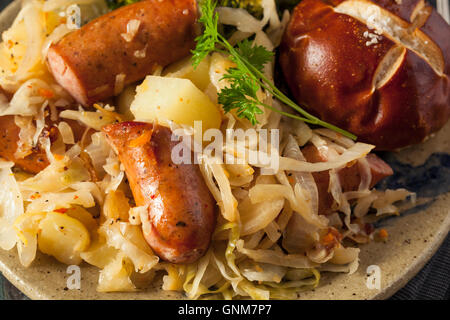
(247, 78)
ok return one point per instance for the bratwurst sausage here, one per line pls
(9, 138)
(182, 213)
(349, 177)
(36, 160)
(122, 47)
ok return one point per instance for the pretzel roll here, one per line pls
(379, 69)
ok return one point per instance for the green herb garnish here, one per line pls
(247, 78)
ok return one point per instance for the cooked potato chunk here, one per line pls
(171, 99)
(184, 69)
(63, 237)
(125, 100)
(85, 217)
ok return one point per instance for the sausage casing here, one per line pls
(349, 177)
(37, 159)
(182, 213)
(9, 138)
(96, 61)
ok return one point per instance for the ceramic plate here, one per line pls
(414, 236)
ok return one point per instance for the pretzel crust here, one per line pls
(376, 68)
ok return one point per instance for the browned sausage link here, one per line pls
(349, 177)
(37, 159)
(9, 137)
(88, 62)
(181, 208)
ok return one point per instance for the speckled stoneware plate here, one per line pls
(413, 237)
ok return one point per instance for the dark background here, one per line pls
(432, 282)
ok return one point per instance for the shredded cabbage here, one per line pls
(276, 258)
(11, 206)
(129, 239)
(91, 119)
